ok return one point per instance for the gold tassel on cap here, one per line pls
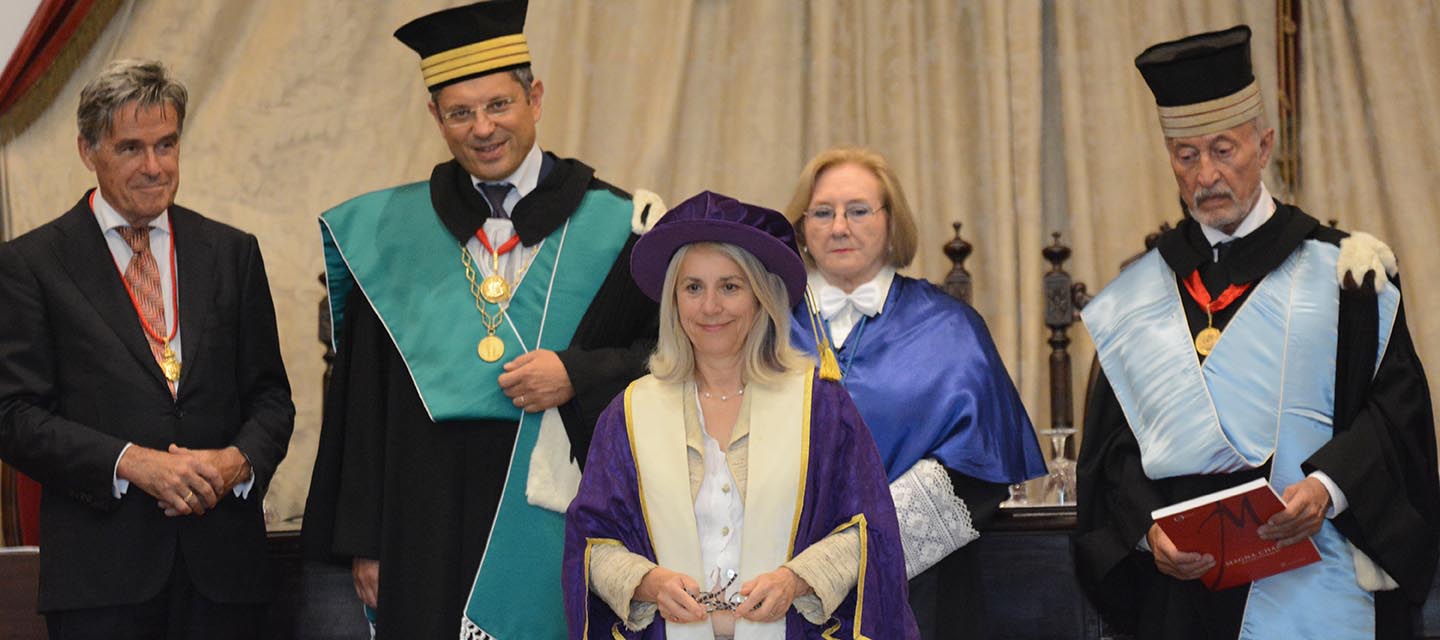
(829, 366)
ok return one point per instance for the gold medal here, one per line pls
(491, 348)
(169, 364)
(494, 289)
(1206, 339)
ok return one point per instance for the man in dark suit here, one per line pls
(141, 383)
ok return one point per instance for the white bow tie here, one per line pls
(865, 299)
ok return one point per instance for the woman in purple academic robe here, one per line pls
(734, 492)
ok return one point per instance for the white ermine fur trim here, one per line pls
(648, 210)
(1362, 253)
(554, 478)
(1369, 575)
(933, 521)
(468, 631)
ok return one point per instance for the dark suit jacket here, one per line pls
(78, 381)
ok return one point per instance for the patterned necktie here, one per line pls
(144, 278)
(495, 195)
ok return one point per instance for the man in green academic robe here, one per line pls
(481, 320)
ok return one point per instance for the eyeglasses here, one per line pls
(462, 116)
(854, 213)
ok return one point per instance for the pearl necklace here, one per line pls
(724, 397)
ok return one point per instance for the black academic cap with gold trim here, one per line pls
(1202, 83)
(467, 42)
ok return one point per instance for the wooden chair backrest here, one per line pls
(1063, 300)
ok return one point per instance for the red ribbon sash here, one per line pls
(1197, 291)
(504, 248)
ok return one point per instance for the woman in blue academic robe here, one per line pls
(924, 373)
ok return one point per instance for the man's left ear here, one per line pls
(85, 151)
(537, 92)
(1267, 145)
(435, 113)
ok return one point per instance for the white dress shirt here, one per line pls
(110, 222)
(500, 230)
(719, 515)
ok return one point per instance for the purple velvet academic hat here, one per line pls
(711, 217)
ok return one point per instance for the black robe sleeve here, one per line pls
(610, 348)
(1383, 453)
(1113, 510)
(981, 498)
(343, 511)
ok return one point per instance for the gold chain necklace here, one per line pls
(491, 347)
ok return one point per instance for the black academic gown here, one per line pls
(1382, 457)
(951, 595)
(419, 495)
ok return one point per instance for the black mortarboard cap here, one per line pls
(467, 42)
(1202, 83)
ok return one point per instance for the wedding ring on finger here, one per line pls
(188, 496)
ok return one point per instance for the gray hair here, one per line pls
(767, 353)
(523, 75)
(144, 82)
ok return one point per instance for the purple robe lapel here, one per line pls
(607, 507)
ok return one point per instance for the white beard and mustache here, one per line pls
(1225, 219)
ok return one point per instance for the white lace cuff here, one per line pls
(934, 522)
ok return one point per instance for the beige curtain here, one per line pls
(1015, 118)
(737, 96)
(1117, 181)
(294, 107)
(1370, 139)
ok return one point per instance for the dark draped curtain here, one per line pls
(54, 23)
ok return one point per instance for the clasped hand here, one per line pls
(184, 481)
(767, 596)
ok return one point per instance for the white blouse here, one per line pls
(719, 517)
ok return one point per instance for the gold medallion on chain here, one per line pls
(494, 289)
(1206, 339)
(491, 348)
(169, 364)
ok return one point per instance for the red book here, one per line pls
(1223, 524)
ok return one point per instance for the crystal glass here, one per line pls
(1019, 496)
(1061, 482)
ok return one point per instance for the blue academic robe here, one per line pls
(930, 384)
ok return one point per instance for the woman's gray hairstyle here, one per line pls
(767, 352)
(144, 82)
